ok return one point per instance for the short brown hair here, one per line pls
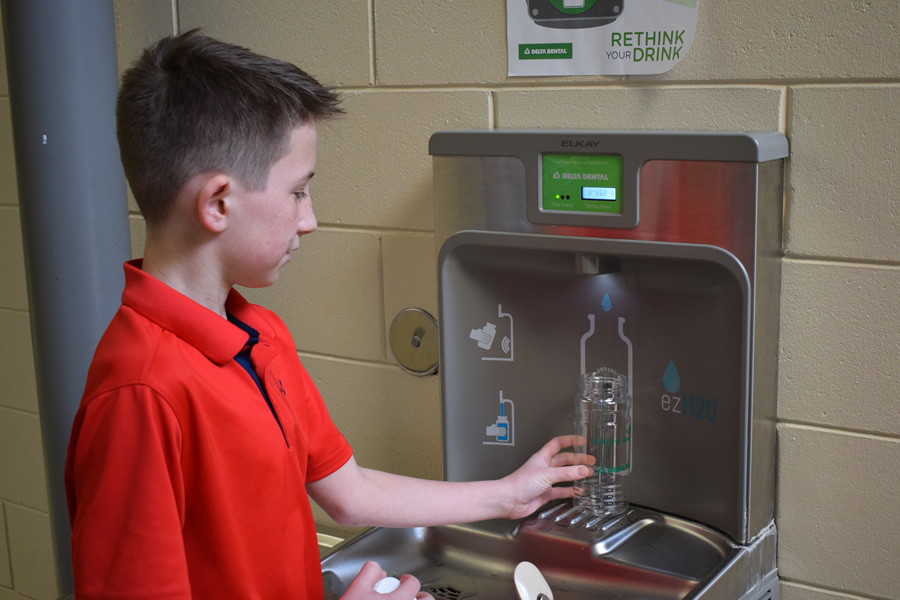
(192, 104)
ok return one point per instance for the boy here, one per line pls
(200, 433)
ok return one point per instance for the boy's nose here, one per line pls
(307, 222)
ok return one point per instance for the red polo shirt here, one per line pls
(180, 483)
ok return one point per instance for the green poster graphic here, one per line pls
(598, 37)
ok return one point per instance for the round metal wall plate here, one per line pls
(414, 341)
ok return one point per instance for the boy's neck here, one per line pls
(188, 274)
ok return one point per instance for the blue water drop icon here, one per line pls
(606, 304)
(671, 380)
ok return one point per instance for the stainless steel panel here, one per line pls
(764, 365)
(695, 202)
(635, 147)
(479, 192)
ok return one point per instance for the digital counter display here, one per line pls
(581, 183)
(604, 194)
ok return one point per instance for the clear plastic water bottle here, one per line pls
(603, 418)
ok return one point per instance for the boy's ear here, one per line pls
(212, 205)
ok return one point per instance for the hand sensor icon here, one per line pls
(484, 336)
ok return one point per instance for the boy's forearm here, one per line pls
(357, 496)
(409, 502)
(353, 495)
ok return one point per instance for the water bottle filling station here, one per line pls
(656, 255)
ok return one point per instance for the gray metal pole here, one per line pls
(63, 81)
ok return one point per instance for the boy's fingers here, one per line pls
(409, 587)
(368, 575)
(555, 445)
(563, 441)
(571, 473)
(570, 458)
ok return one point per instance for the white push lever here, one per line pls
(530, 584)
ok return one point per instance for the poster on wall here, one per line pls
(598, 37)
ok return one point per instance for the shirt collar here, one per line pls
(200, 327)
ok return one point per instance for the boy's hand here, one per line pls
(363, 586)
(531, 484)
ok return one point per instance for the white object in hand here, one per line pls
(387, 585)
(530, 583)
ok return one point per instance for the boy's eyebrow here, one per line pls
(305, 178)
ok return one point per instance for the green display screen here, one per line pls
(582, 183)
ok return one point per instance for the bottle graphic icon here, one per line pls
(620, 334)
(502, 430)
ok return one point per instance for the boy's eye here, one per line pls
(300, 195)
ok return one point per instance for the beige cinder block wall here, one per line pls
(824, 72)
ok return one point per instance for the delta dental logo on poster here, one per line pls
(598, 37)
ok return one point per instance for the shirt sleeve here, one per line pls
(328, 448)
(126, 498)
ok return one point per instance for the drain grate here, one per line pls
(448, 592)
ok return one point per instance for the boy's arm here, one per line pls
(354, 495)
(126, 499)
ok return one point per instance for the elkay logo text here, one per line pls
(579, 143)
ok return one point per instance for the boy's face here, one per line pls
(265, 226)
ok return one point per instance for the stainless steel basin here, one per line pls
(643, 555)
